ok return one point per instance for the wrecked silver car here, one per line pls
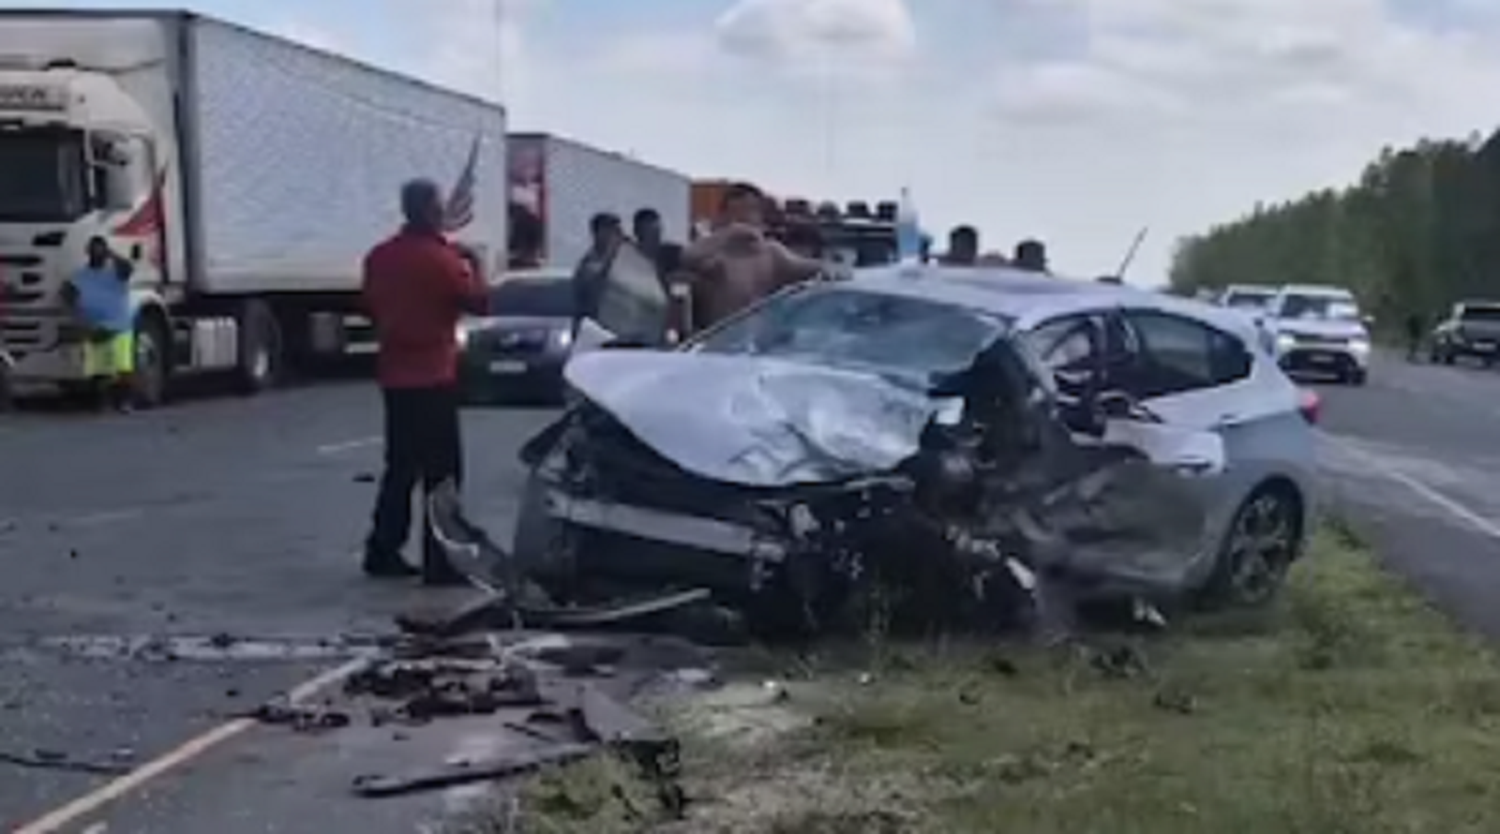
(902, 432)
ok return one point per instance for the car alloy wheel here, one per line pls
(1262, 545)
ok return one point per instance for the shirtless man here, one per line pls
(737, 264)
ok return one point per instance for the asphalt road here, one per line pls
(1414, 459)
(214, 517)
(243, 518)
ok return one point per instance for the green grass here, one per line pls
(1351, 708)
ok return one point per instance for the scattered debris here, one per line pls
(467, 771)
(300, 717)
(441, 688)
(55, 760)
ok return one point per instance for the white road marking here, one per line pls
(347, 445)
(1441, 501)
(100, 519)
(183, 754)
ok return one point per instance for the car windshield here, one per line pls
(1248, 299)
(838, 325)
(1484, 314)
(1319, 307)
(540, 297)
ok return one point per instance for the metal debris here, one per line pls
(42, 759)
(465, 772)
(300, 718)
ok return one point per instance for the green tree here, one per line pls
(1418, 231)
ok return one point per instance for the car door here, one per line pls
(1198, 376)
(1151, 519)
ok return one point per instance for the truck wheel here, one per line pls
(260, 349)
(152, 366)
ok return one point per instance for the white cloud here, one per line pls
(819, 31)
(1075, 120)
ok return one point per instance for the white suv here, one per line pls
(1320, 330)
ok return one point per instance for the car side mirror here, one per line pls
(1369, 321)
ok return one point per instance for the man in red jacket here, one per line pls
(417, 286)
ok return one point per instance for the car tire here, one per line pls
(1258, 549)
(1358, 377)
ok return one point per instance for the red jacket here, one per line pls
(416, 289)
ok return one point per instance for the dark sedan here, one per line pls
(518, 351)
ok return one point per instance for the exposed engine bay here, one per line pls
(808, 497)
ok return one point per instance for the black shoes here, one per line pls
(435, 571)
(388, 566)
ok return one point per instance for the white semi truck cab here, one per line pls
(242, 175)
(78, 157)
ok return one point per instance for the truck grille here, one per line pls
(22, 280)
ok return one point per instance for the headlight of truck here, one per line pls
(1285, 342)
(1360, 346)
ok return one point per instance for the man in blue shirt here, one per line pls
(99, 296)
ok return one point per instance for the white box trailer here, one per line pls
(245, 177)
(563, 183)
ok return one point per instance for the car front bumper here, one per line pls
(1338, 359)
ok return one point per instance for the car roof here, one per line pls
(1478, 303)
(1317, 290)
(1028, 298)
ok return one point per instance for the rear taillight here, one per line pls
(1310, 405)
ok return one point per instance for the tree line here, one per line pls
(1418, 231)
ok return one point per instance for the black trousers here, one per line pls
(423, 445)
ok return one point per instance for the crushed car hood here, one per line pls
(755, 421)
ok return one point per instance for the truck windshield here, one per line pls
(41, 176)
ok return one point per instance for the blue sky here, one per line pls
(1078, 121)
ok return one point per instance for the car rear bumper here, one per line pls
(507, 376)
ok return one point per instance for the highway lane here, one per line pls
(1414, 459)
(224, 516)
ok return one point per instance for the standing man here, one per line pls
(592, 272)
(963, 247)
(99, 296)
(417, 286)
(1031, 256)
(1414, 328)
(646, 228)
(737, 264)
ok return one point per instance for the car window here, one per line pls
(1179, 354)
(1318, 307)
(541, 297)
(1062, 343)
(839, 325)
(1485, 314)
(1247, 300)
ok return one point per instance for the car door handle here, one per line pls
(1192, 466)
